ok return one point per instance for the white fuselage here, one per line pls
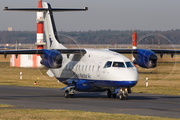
(91, 67)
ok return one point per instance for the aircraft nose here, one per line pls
(126, 74)
(131, 77)
(131, 74)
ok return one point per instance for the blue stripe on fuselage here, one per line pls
(97, 85)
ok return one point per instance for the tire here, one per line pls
(109, 94)
(126, 96)
(71, 95)
(66, 94)
(114, 95)
(121, 97)
(129, 90)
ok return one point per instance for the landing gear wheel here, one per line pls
(126, 96)
(114, 95)
(66, 94)
(121, 97)
(71, 95)
(109, 94)
(129, 90)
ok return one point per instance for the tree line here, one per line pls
(96, 37)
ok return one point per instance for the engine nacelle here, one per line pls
(51, 59)
(145, 58)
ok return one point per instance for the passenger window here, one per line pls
(129, 64)
(86, 68)
(93, 68)
(79, 67)
(108, 64)
(68, 66)
(71, 67)
(89, 68)
(82, 67)
(118, 64)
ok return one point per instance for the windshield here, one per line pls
(129, 64)
(108, 64)
(118, 64)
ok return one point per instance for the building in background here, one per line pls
(28, 61)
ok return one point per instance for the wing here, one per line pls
(124, 51)
(164, 51)
(157, 51)
(41, 51)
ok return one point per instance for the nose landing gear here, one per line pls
(124, 93)
(123, 96)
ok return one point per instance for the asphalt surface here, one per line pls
(52, 98)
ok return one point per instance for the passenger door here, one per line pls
(98, 69)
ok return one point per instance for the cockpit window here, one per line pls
(108, 64)
(118, 64)
(129, 64)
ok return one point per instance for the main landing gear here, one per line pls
(69, 92)
(111, 93)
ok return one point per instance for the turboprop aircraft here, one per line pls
(88, 70)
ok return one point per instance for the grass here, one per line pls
(164, 79)
(4, 105)
(42, 114)
(11, 76)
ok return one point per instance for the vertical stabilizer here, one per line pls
(52, 39)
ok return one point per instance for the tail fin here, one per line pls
(52, 39)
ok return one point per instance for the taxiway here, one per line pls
(52, 98)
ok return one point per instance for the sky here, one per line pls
(102, 15)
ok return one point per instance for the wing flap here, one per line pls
(163, 51)
(124, 51)
(72, 51)
(157, 51)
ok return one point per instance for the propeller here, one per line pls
(160, 66)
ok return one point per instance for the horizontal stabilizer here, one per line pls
(69, 9)
(45, 9)
(25, 9)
